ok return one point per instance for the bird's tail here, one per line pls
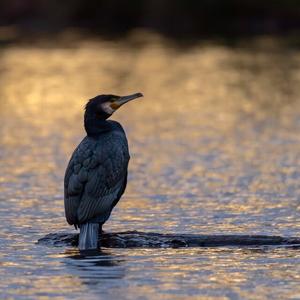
(88, 236)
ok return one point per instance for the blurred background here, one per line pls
(214, 143)
(173, 18)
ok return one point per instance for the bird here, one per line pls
(96, 175)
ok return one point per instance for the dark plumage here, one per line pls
(96, 176)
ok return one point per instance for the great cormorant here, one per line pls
(96, 175)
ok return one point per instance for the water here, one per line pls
(214, 150)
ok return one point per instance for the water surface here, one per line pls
(214, 150)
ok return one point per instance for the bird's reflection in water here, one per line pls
(94, 266)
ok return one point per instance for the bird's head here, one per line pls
(103, 106)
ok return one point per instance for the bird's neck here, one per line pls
(95, 127)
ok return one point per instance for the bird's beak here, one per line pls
(124, 99)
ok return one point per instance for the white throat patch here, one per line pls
(107, 108)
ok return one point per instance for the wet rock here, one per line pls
(136, 239)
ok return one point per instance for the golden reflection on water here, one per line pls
(214, 146)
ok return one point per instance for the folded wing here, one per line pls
(96, 178)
